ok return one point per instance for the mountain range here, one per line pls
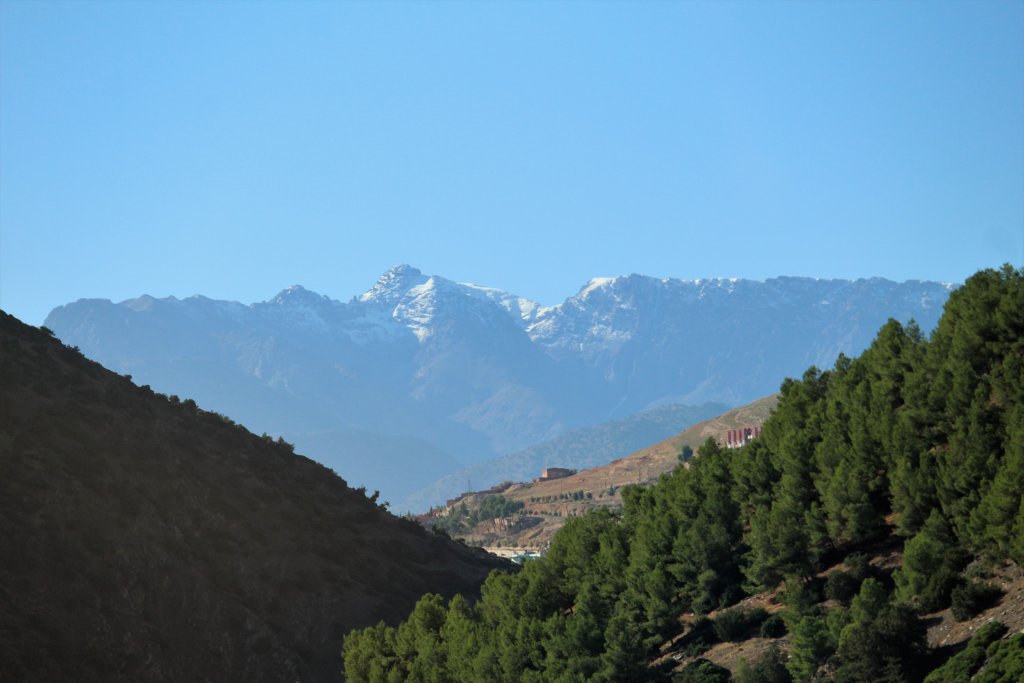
(421, 376)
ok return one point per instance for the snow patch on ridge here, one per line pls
(523, 310)
(595, 284)
(417, 308)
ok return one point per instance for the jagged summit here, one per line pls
(624, 288)
(405, 296)
(141, 303)
(392, 284)
(297, 294)
(597, 283)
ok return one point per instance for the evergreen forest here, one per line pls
(918, 443)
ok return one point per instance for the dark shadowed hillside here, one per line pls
(144, 539)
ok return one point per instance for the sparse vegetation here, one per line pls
(462, 518)
(773, 627)
(970, 598)
(738, 622)
(703, 671)
(771, 668)
(963, 665)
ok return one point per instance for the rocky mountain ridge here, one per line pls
(420, 376)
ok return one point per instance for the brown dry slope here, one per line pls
(647, 464)
(548, 504)
(144, 539)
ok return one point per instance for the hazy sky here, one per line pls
(234, 149)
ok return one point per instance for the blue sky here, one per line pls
(234, 149)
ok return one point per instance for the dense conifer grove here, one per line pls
(921, 439)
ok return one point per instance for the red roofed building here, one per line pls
(741, 436)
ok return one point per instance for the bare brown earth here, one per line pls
(548, 504)
(945, 631)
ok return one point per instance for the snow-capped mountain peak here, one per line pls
(392, 285)
(403, 300)
(403, 297)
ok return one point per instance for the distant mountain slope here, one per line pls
(548, 504)
(727, 340)
(423, 376)
(582, 448)
(144, 539)
(650, 462)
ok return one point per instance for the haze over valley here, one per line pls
(419, 376)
